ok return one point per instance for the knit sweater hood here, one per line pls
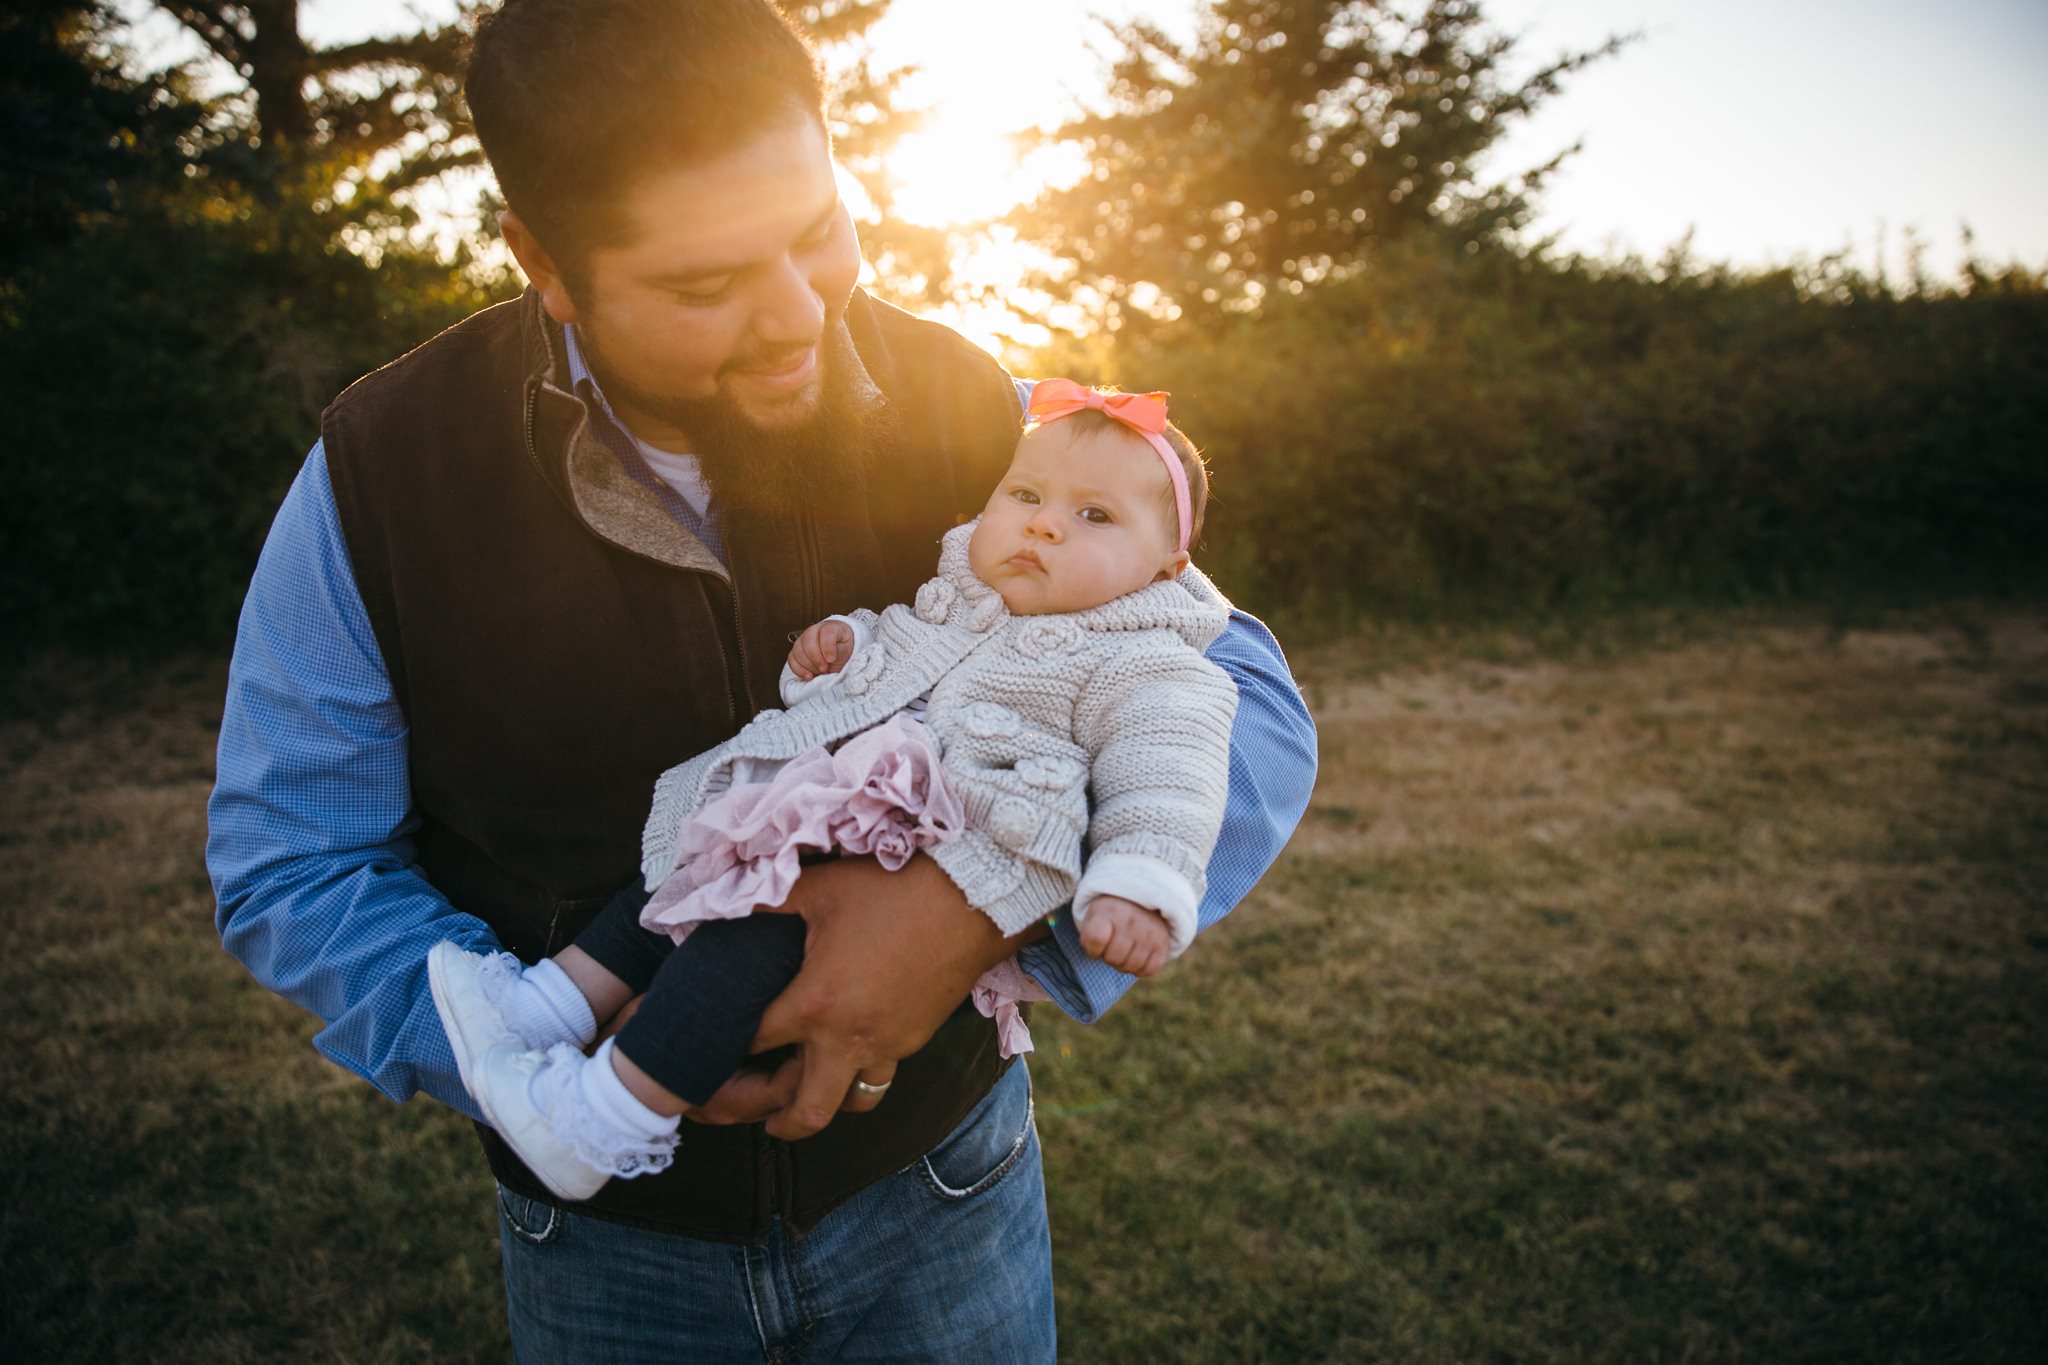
(1030, 713)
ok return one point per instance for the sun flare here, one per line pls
(958, 173)
(962, 176)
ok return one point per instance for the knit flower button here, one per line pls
(867, 665)
(1048, 639)
(986, 720)
(986, 613)
(935, 599)
(1049, 772)
(1012, 821)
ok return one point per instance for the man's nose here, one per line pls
(791, 312)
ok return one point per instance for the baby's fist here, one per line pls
(1126, 935)
(824, 648)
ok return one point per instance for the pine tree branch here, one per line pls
(428, 164)
(211, 24)
(437, 50)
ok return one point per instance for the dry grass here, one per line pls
(1650, 999)
(1684, 1004)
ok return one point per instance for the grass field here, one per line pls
(1657, 994)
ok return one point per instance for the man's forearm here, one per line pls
(306, 837)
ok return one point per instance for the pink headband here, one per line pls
(1144, 413)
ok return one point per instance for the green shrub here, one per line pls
(164, 377)
(1445, 432)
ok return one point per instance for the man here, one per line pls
(563, 546)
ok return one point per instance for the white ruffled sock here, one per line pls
(541, 1005)
(591, 1109)
(608, 1097)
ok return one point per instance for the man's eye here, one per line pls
(822, 233)
(702, 298)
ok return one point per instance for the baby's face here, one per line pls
(1078, 520)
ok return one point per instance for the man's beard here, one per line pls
(814, 461)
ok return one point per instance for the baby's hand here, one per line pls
(824, 648)
(1126, 935)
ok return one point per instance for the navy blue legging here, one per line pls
(704, 999)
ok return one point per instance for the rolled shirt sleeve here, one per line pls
(309, 826)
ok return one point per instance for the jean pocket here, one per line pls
(986, 1146)
(529, 1219)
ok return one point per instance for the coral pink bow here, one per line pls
(1144, 413)
(1053, 399)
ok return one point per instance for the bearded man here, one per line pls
(563, 546)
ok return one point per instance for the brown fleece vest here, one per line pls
(549, 673)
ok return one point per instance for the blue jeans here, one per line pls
(947, 1260)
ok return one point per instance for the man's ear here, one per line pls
(539, 266)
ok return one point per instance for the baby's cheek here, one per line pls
(978, 549)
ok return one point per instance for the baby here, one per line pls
(1046, 689)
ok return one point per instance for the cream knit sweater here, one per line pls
(1034, 717)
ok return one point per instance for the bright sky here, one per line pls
(1778, 129)
(1771, 129)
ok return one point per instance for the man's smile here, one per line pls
(785, 373)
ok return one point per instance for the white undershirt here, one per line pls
(680, 472)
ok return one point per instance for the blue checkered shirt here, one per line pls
(310, 827)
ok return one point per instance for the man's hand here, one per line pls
(748, 1095)
(823, 648)
(889, 956)
(1126, 935)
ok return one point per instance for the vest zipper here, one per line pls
(745, 697)
(739, 633)
(814, 567)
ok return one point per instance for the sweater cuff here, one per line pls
(796, 689)
(1013, 891)
(1144, 881)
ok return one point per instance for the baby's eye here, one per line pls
(1025, 495)
(1096, 516)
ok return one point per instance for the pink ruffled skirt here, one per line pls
(881, 793)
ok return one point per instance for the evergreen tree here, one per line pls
(83, 139)
(912, 263)
(350, 127)
(347, 126)
(1285, 141)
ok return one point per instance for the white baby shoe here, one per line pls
(469, 1010)
(541, 1106)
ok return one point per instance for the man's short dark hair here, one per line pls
(576, 101)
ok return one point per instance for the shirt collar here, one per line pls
(581, 378)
